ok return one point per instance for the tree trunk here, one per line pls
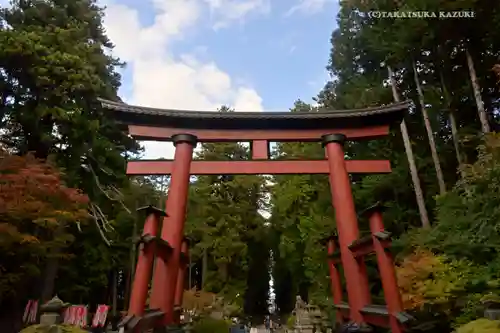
(49, 278)
(430, 134)
(454, 135)
(128, 287)
(51, 269)
(133, 258)
(424, 217)
(190, 276)
(453, 122)
(451, 112)
(114, 300)
(204, 268)
(483, 118)
(224, 272)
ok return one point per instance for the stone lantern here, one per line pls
(52, 312)
(492, 307)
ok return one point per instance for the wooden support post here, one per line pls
(145, 261)
(347, 225)
(179, 289)
(386, 268)
(260, 150)
(167, 267)
(335, 279)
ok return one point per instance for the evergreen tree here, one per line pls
(225, 221)
(55, 64)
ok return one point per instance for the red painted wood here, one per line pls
(260, 150)
(367, 249)
(268, 167)
(363, 275)
(204, 135)
(344, 312)
(166, 271)
(336, 284)
(362, 251)
(144, 268)
(336, 261)
(387, 273)
(179, 289)
(380, 321)
(347, 227)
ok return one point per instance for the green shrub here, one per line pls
(52, 329)
(211, 325)
(480, 326)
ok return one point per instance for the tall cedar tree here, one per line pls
(55, 64)
(362, 47)
(224, 219)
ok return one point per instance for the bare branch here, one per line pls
(103, 236)
(98, 216)
(105, 222)
(121, 198)
(112, 188)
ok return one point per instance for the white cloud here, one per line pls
(163, 79)
(227, 12)
(308, 7)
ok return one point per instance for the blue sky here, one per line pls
(252, 55)
(278, 48)
(280, 54)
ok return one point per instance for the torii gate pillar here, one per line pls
(167, 267)
(347, 225)
(181, 277)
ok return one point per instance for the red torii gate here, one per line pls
(186, 128)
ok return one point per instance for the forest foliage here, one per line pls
(38, 216)
(68, 210)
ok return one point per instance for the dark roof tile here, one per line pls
(137, 115)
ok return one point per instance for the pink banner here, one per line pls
(30, 312)
(82, 316)
(100, 316)
(70, 315)
(76, 315)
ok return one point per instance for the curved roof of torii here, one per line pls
(356, 118)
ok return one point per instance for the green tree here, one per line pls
(362, 47)
(301, 216)
(55, 64)
(224, 219)
(38, 216)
